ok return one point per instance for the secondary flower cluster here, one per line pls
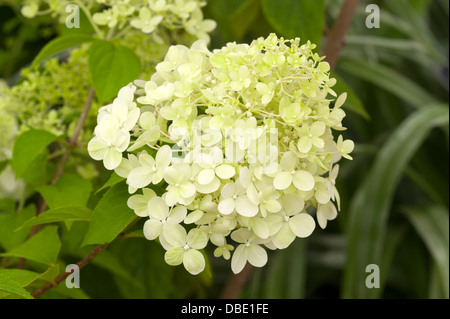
(143, 15)
(45, 97)
(198, 131)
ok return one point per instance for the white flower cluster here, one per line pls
(144, 15)
(222, 184)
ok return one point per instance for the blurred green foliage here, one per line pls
(394, 193)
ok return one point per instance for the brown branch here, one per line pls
(83, 262)
(61, 277)
(72, 143)
(336, 36)
(236, 283)
(74, 138)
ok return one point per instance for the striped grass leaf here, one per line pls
(432, 225)
(369, 210)
(389, 80)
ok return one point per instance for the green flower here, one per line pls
(185, 248)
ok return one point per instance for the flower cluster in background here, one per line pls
(146, 16)
(51, 96)
(221, 187)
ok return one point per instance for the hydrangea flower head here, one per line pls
(241, 141)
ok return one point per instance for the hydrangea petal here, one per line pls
(208, 188)
(172, 197)
(293, 204)
(187, 190)
(272, 205)
(225, 171)
(112, 158)
(206, 176)
(240, 235)
(193, 261)
(260, 227)
(97, 148)
(132, 119)
(107, 127)
(193, 217)
(288, 161)
(121, 140)
(239, 259)
(152, 229)
(163, 156)
(175, 234)
(245, 207)
(197, 239)
(226, 206)
(139, 204)
(282, 180)
(228, 190)
(174, 256)
(325, 213)
(177, 215)
(303, 180)
(284, 237)
(256, 255)
(157, 208)
(304, 144)
(140, 177)
(302, 225)
(317, 128)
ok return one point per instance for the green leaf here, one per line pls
(51, 272)
(353, 102)
(84, 29)
(69, 213)
(435, 289)
(242, 19)
(9, 238)
(113, 264)
(113, 180)
(60, 44)
(36, 172)
(21, 276)
(42, 247)
(394, 238)
(111, 67)
(432, 224)
(370, 207)
(296, 18)
(144, 259)
(62, 290)
(69, 190)
(418, 28)
(223, 13)
(28, 146)
(393, 82)
(110, 217)
(13, 287)
(7, 205)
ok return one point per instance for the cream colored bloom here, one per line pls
(207, 115)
